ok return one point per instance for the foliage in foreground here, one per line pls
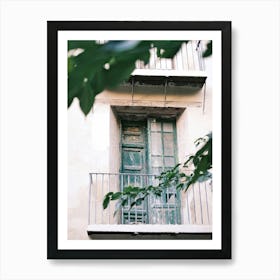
(93, 67)
(200, 163)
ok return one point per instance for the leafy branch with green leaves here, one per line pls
(94, 67)
(200, 163)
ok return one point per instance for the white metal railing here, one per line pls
(193, 207)
(188, 58)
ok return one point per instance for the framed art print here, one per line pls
(139, 140)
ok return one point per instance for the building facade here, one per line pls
(145, 126)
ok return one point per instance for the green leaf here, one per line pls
(120, 71)
(180, 186)
(208, 50)
(116, 195)
(99, 81)
(81, 44)
(124, 202)
(203, 164)
(127, 189)
(86, 98)
(79, 74)
(131, 189)
(132, 204)
(158, 193)
(71, 64)
(88, 65)
(106, 201)
(120, 46)
(139, 201)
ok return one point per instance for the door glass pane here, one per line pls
(157, 170)
(132, 129)
(155, 126)
(133, 134)
(157, 161)
(130, 138)
(168, 127)
(132, 160)
(169, 162)
(168, 142)
(156, 143)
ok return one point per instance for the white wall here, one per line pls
(88, 151)
(196, 120)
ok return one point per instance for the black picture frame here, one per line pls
(53, 27)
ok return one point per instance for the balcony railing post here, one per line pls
(122, 214)
(201, 215)
(95, 200)
(109, 214)
(207, 209)
(89, 201)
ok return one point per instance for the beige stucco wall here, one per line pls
(88, 150)
(152, 96)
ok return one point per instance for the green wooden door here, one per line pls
(134, 167)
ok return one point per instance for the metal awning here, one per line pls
(168, 77)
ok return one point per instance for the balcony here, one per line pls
(185, 69)
(171, 213)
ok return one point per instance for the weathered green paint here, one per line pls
(133, 147)
(141, 155)
(167, 207)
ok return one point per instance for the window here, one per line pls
(148, 148)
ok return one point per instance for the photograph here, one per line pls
(145, 136)
(136, 114)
